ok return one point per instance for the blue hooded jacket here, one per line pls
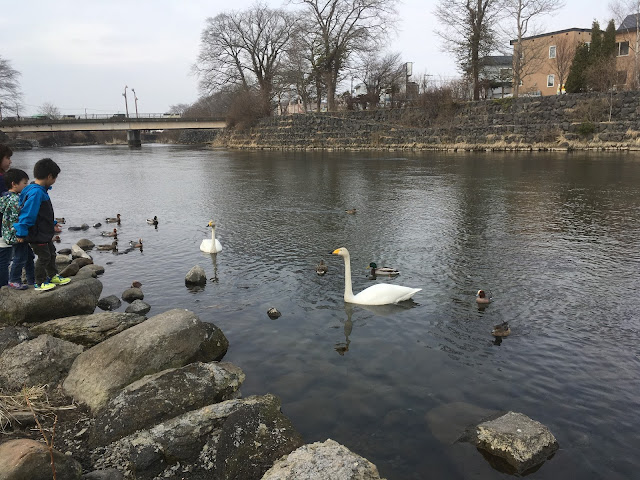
(36, 220)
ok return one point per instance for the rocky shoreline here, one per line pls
(115, 395)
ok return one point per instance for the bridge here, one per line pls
(94, 123)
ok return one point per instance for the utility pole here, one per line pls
(0, 111)
(126, 106)
(135, 98)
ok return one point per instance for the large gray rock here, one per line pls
(139, 307)
(62, 260)
(522, 442)
(322, 460)
(169, 340)
(196, 276)
(132, 294)
(43, 360)
(12, 336)
(24, 459)
(236, 439)
(82, 262)
(85, 244)
(109, 303)
(86, 272)
(70, 270)
(77, 252)
(76, 298)
(89, 330)
(164, 395)
(107, 474)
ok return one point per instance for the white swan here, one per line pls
(213, 245)
(378, 294)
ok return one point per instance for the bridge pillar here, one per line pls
(133, 138)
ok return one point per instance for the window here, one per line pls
(551, 80)
(621, 77)
(552, 51)
(622, 49)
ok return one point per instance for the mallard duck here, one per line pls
(60, 220)
(136, 284)
(351, 211)
(56, 239)
(375, 270)
(114, 233)
(273, 313)
(109, 246)
(321, 268)
(501, 330)
(152, 221)
(114, 220)
(379, 294)
(211, 245)
(135, 244)
(481, 297)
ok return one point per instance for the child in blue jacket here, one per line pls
(36, 224)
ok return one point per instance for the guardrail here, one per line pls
(95, 118)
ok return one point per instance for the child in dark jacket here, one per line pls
(16, 180)
(36, 224)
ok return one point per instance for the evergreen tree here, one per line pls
(595, 50)
(576, 79)
(609, 40)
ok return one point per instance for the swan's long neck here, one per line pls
(348, 290)
(213, 235)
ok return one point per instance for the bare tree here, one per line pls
(179, 108)
(379, 74)
(565, 51)
(469, 30)
(343, 27)
(525, 13)
(244, 49)
(9, 86)
(49, 110)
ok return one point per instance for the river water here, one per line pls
(554, 237)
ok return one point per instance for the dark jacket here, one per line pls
(36, 220)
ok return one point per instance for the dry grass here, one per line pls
(29, 399)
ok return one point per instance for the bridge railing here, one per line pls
(95, 118)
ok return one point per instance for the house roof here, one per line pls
(498, 60)
(566, 30)
(629, 23)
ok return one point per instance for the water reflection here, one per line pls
(214, 260)
(343, 347)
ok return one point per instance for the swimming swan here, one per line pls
(213, 245)
(378, 294)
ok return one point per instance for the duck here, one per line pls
(110, 234)
(378, 294)
(152, 221)
(375, 270)
(481, 297)
(56, 239)
(501, 330)
(273, 313)
(211, 245)
(351, 211)
(135, 244)
(109, 246)
(97, 225)
(60, 220)
(114, 220)
(84, 226)
(321, 268)
(136, 284)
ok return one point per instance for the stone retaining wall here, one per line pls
(577, 121)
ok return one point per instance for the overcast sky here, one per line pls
(79, 55)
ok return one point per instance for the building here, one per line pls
(545, 60)
(496, 76)
(627, 43)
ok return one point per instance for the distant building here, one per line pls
(496, 76)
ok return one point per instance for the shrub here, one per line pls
(586, 128)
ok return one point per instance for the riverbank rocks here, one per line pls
(24, 459)
(131, 294)
(109, 303)
(88, 330)
(70, 270)
(322, 460)
(237, 438)
(12, 336)
(169, 340)
(196, 276)
(82, 262)
(86, 272)
(76, 298)
(515, 438)
(43, 360)
(85, 244)
(164, 395)
(139, 307)
(62, 261)
(77, 252)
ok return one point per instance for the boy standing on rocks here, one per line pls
(37, 226)
(16, 180)
(5, 248)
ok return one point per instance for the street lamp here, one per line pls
(126, 106)
(135, 98)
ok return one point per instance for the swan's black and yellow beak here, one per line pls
(336, 252)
